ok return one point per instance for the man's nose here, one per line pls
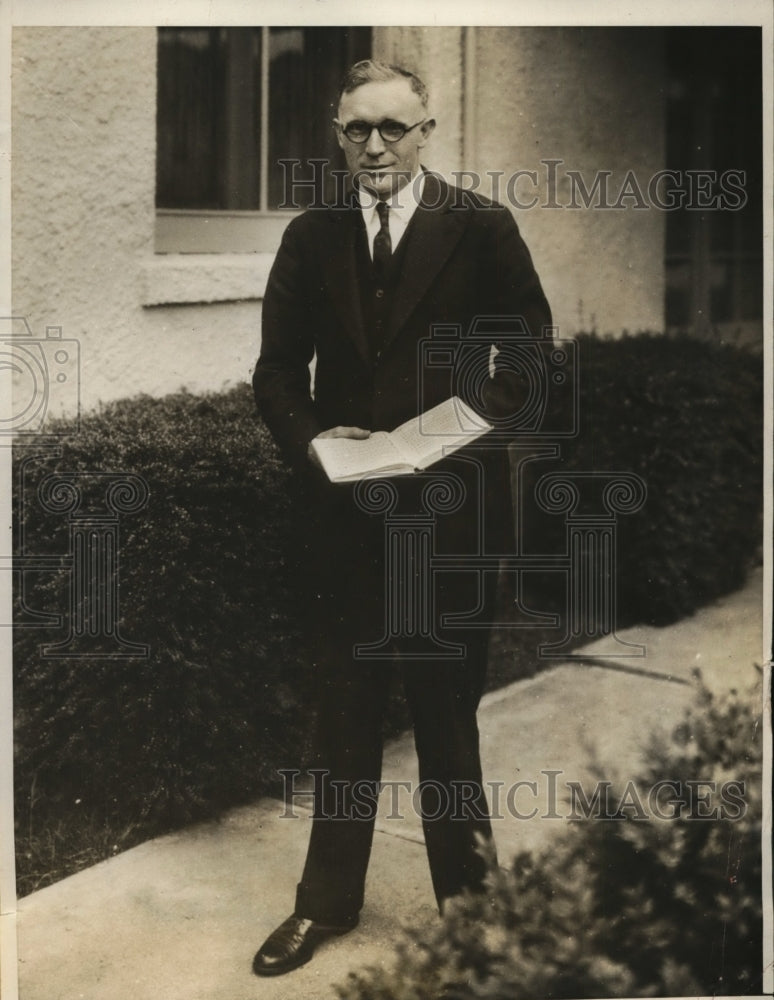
(375, 144)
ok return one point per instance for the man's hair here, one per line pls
(372, 71)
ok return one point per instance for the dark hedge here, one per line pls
(687, 416)
(111, 751)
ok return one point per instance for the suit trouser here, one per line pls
(443, 697)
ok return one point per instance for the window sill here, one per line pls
(185, 279)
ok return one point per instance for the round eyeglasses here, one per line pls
(360, 132)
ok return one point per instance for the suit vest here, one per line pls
(377, 299)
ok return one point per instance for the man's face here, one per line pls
(379, 166)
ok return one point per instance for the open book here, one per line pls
(414, 445)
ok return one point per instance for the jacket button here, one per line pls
(380, 293)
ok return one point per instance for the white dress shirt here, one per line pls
(403, 204)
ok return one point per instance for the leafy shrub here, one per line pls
(685, 415)
(626, 907)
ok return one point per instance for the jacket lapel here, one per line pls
(433, 234)
(339, 266)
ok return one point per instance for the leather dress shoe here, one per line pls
(293, 944)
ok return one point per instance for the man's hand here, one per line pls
(337, 432)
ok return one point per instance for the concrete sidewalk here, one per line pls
(179, 918)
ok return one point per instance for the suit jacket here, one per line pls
(464, 259)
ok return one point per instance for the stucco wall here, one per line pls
(592, 98)
(83, 174)
(436, 54)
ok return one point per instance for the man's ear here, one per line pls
(339, 134)
(427, 130)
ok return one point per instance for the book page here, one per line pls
(438, 431)
(349, 458)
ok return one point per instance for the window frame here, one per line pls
(181, 230)
(224, 231)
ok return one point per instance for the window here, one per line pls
(233, 103)
(714, 259)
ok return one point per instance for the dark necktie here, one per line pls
(382, 241)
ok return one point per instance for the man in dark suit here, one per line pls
(363, 287)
